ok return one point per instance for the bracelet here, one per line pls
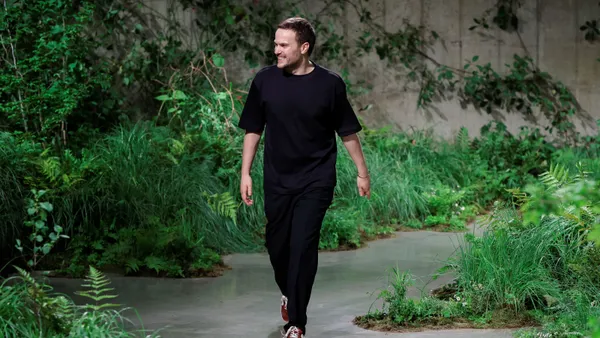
(363, 177)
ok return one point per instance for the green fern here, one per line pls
(502, 216)
(559, 176)
(583, 216)
(582, 173)
(556, 177)
(26, 276)
(64, 173)
(132, 265)
(223, 204)
(51, 310)
(462, 138)
(520, 197)
(157, 264)
(98, 290)
(50, 167)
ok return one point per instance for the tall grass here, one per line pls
(145, 180)
(403, 167)
(520, 270)
(153, 192)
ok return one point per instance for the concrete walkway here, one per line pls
(245, 301)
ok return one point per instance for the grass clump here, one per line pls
(151, 178)
(29, 308)
(534, 268)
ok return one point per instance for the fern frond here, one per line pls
(97, 283)
(520, 197)
(223, 204)
(588, 216)
(570, 214)
(50, 168)
(503, 215)
(486, 220)
(582, 173)
(556, 177)
(583, 216)
(156, 263)
(26, 276)
(462, 138)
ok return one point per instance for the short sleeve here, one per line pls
(253, 115)
(345, 119)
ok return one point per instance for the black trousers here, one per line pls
(292, 240)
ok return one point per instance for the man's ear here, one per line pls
(304, 48)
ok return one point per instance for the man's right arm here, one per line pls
(253, 122)
(251, 140)
(249, 151)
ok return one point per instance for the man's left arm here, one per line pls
(352, 144)
(347, 127)
(363, 180)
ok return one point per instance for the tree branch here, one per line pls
(14, 59)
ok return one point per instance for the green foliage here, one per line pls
(536, 263)
(29, 308)
(47, 75)
(519, 90)
(181, 213)
(341, 227)
(348, 226)
(41, 239)
(222, 204)
(446, 206)
(399, 309)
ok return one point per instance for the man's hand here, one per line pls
(246, 189)
(364, 186)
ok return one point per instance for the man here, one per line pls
(300, 106)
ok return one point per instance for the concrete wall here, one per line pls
(550, 33)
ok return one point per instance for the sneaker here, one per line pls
(294, 332)
(284, 311)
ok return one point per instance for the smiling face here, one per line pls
(288, 50)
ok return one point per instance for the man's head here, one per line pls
(294, 42)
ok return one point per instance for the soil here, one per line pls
(501, 320)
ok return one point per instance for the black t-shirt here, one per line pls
(300, 115)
